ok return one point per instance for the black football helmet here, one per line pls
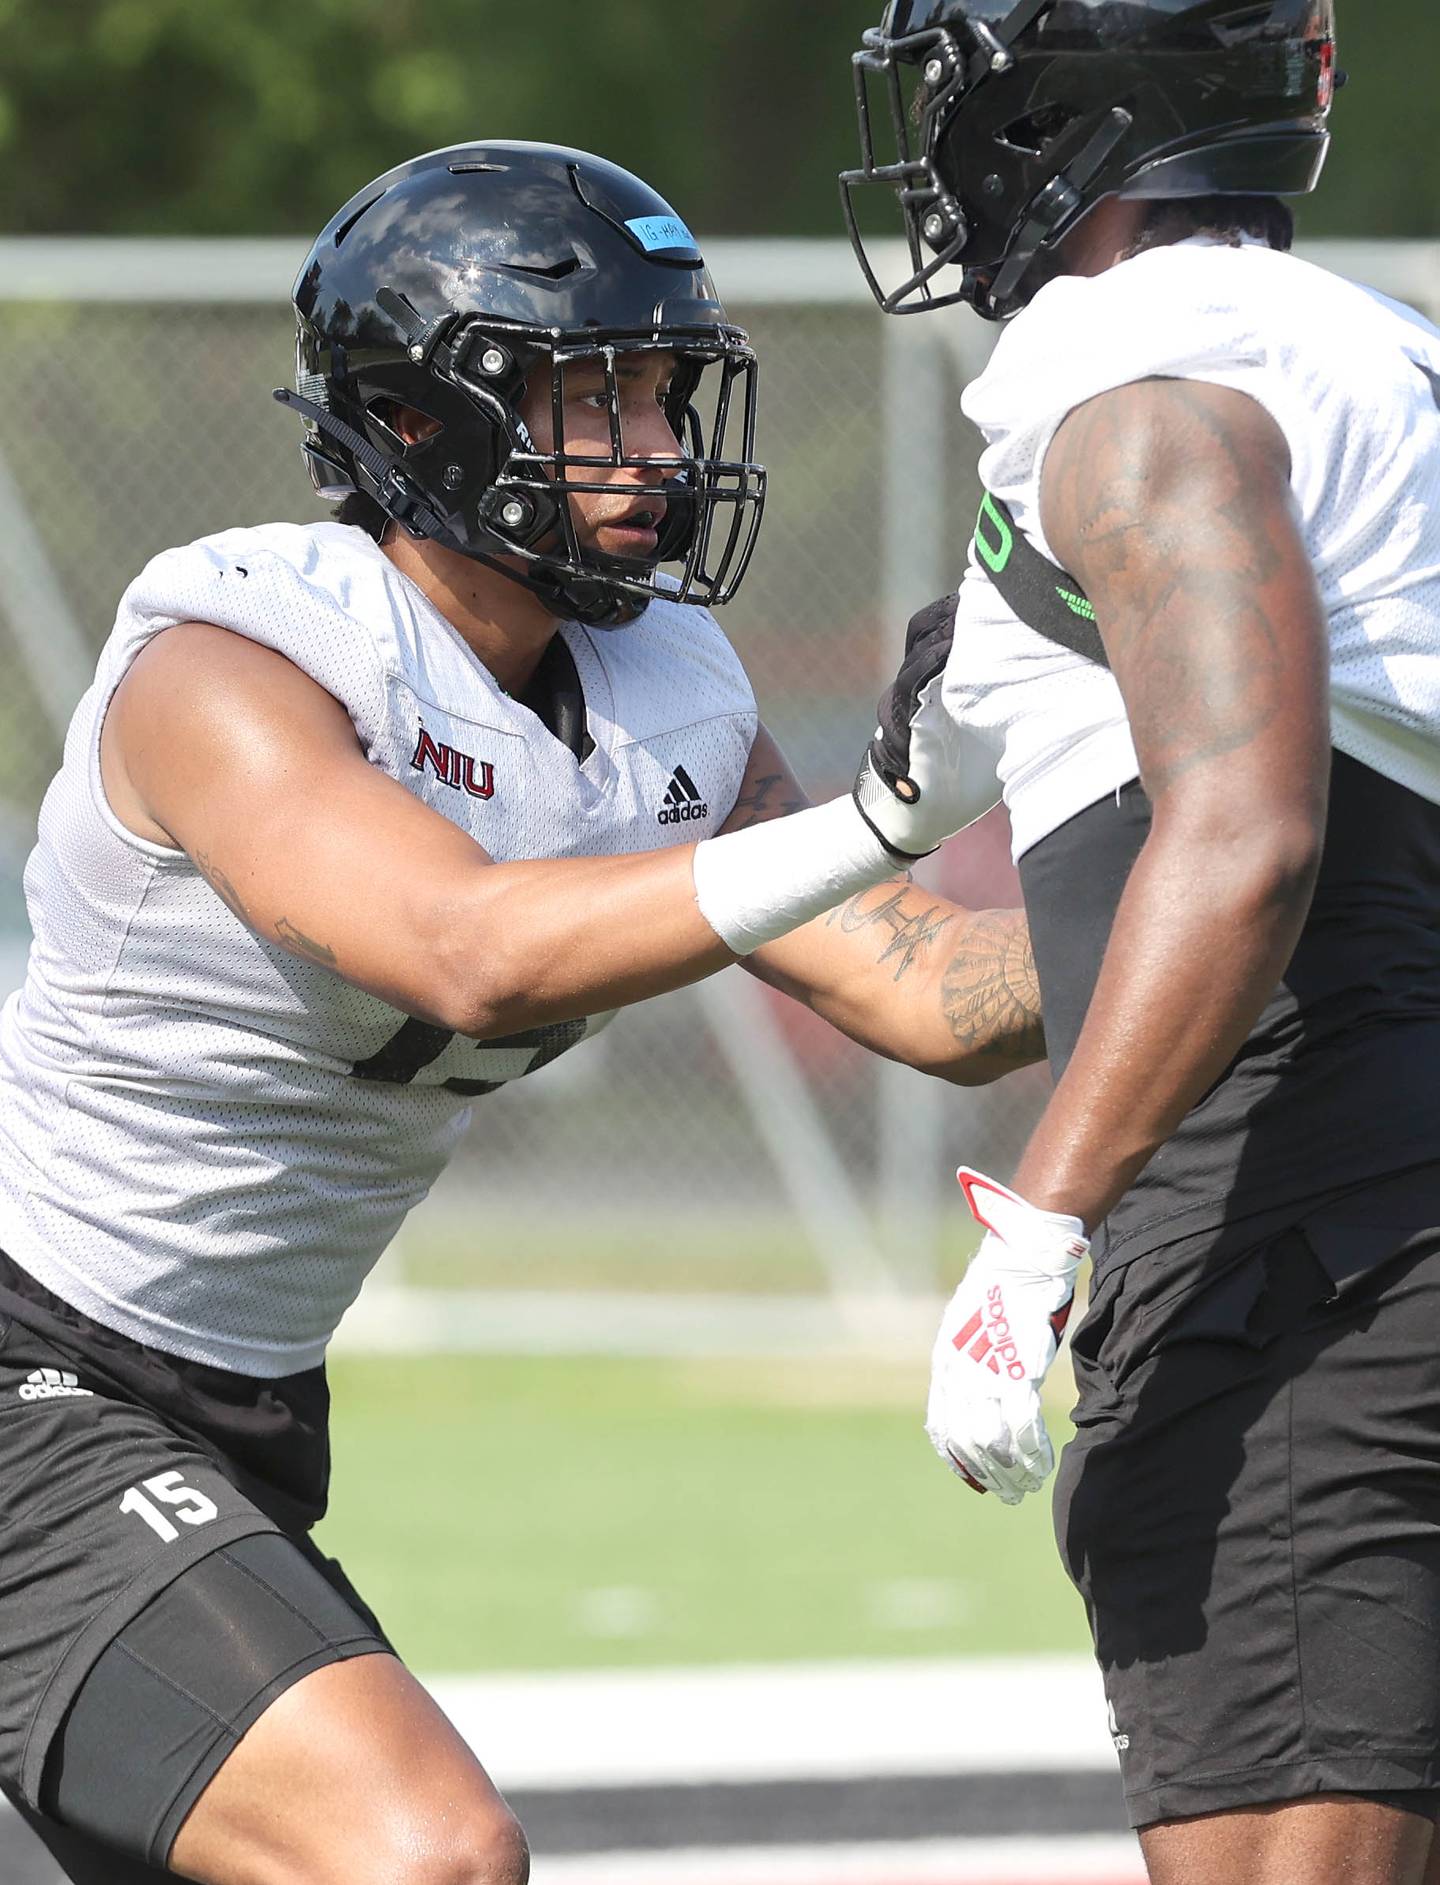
(447, 285)
(1001, 122)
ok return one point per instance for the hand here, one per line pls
(998, 1337)
(923, 777)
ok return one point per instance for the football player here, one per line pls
(1202, 638)
(358, 822)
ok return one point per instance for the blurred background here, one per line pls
(640, 1387)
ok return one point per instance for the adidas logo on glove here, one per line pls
(991, 1343)
(997, 1339)
(52, 1384)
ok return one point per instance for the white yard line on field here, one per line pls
(1079, 1861)
(787, 1722)
(1087, 1860)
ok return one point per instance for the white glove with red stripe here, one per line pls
(997, 1339)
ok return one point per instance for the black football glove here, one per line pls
(917, 781)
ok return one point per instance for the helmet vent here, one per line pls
(557, 271)
(350, 221)
(385, 414)
(474, 168)
(1038, 129)
(1242, 24)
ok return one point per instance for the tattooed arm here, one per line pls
(221, 748)
(287, 934)
(768, 790)
(1171, 502)
(904, 972)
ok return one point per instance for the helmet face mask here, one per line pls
(706, 494)
(905, 85)
(998, 124)
(460, 283)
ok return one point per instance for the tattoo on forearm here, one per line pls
(301, 944)
(765, 799)
(1190, 633)
(285, 931)
(908, 928)
(221, 885)
(989, 994)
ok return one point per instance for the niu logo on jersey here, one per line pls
(458, 770)
(682, 800)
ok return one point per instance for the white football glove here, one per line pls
(923, 776)
(998, 1337)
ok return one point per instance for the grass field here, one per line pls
(674, 1253)
(505, 1513)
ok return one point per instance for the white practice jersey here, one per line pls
(205, 1142)
(1353, 381)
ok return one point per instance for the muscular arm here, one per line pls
(906, 973)
(221, 748)
(224, 749)
(1171, 503)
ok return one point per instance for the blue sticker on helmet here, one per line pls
(661, 232)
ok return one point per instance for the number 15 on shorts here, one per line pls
(188, 1505)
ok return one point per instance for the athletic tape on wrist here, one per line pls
(756, 886)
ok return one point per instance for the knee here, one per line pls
(488, 1849)
(500, 1857)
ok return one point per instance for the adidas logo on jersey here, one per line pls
(682, 800)
(51, 1384)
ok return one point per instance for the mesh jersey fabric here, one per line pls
(1353, 382)
(185, 1153)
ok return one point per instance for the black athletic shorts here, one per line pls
(151, 1607)
(1251, 1510)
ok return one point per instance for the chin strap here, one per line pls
(592, 604)
(1057, 203)
(394, 492)
(996, 44)
(595, 604)
(572, 599)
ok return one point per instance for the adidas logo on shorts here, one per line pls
(51, 1384)
(682, 800)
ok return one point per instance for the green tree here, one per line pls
(166, 117)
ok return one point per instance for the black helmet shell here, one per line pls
(443, 286)
(1028, 114)
(535, 234)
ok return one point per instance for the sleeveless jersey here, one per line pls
(206, 1142)
(1353, 382)
(1336, 1085)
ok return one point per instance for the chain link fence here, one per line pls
(716, 1140)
